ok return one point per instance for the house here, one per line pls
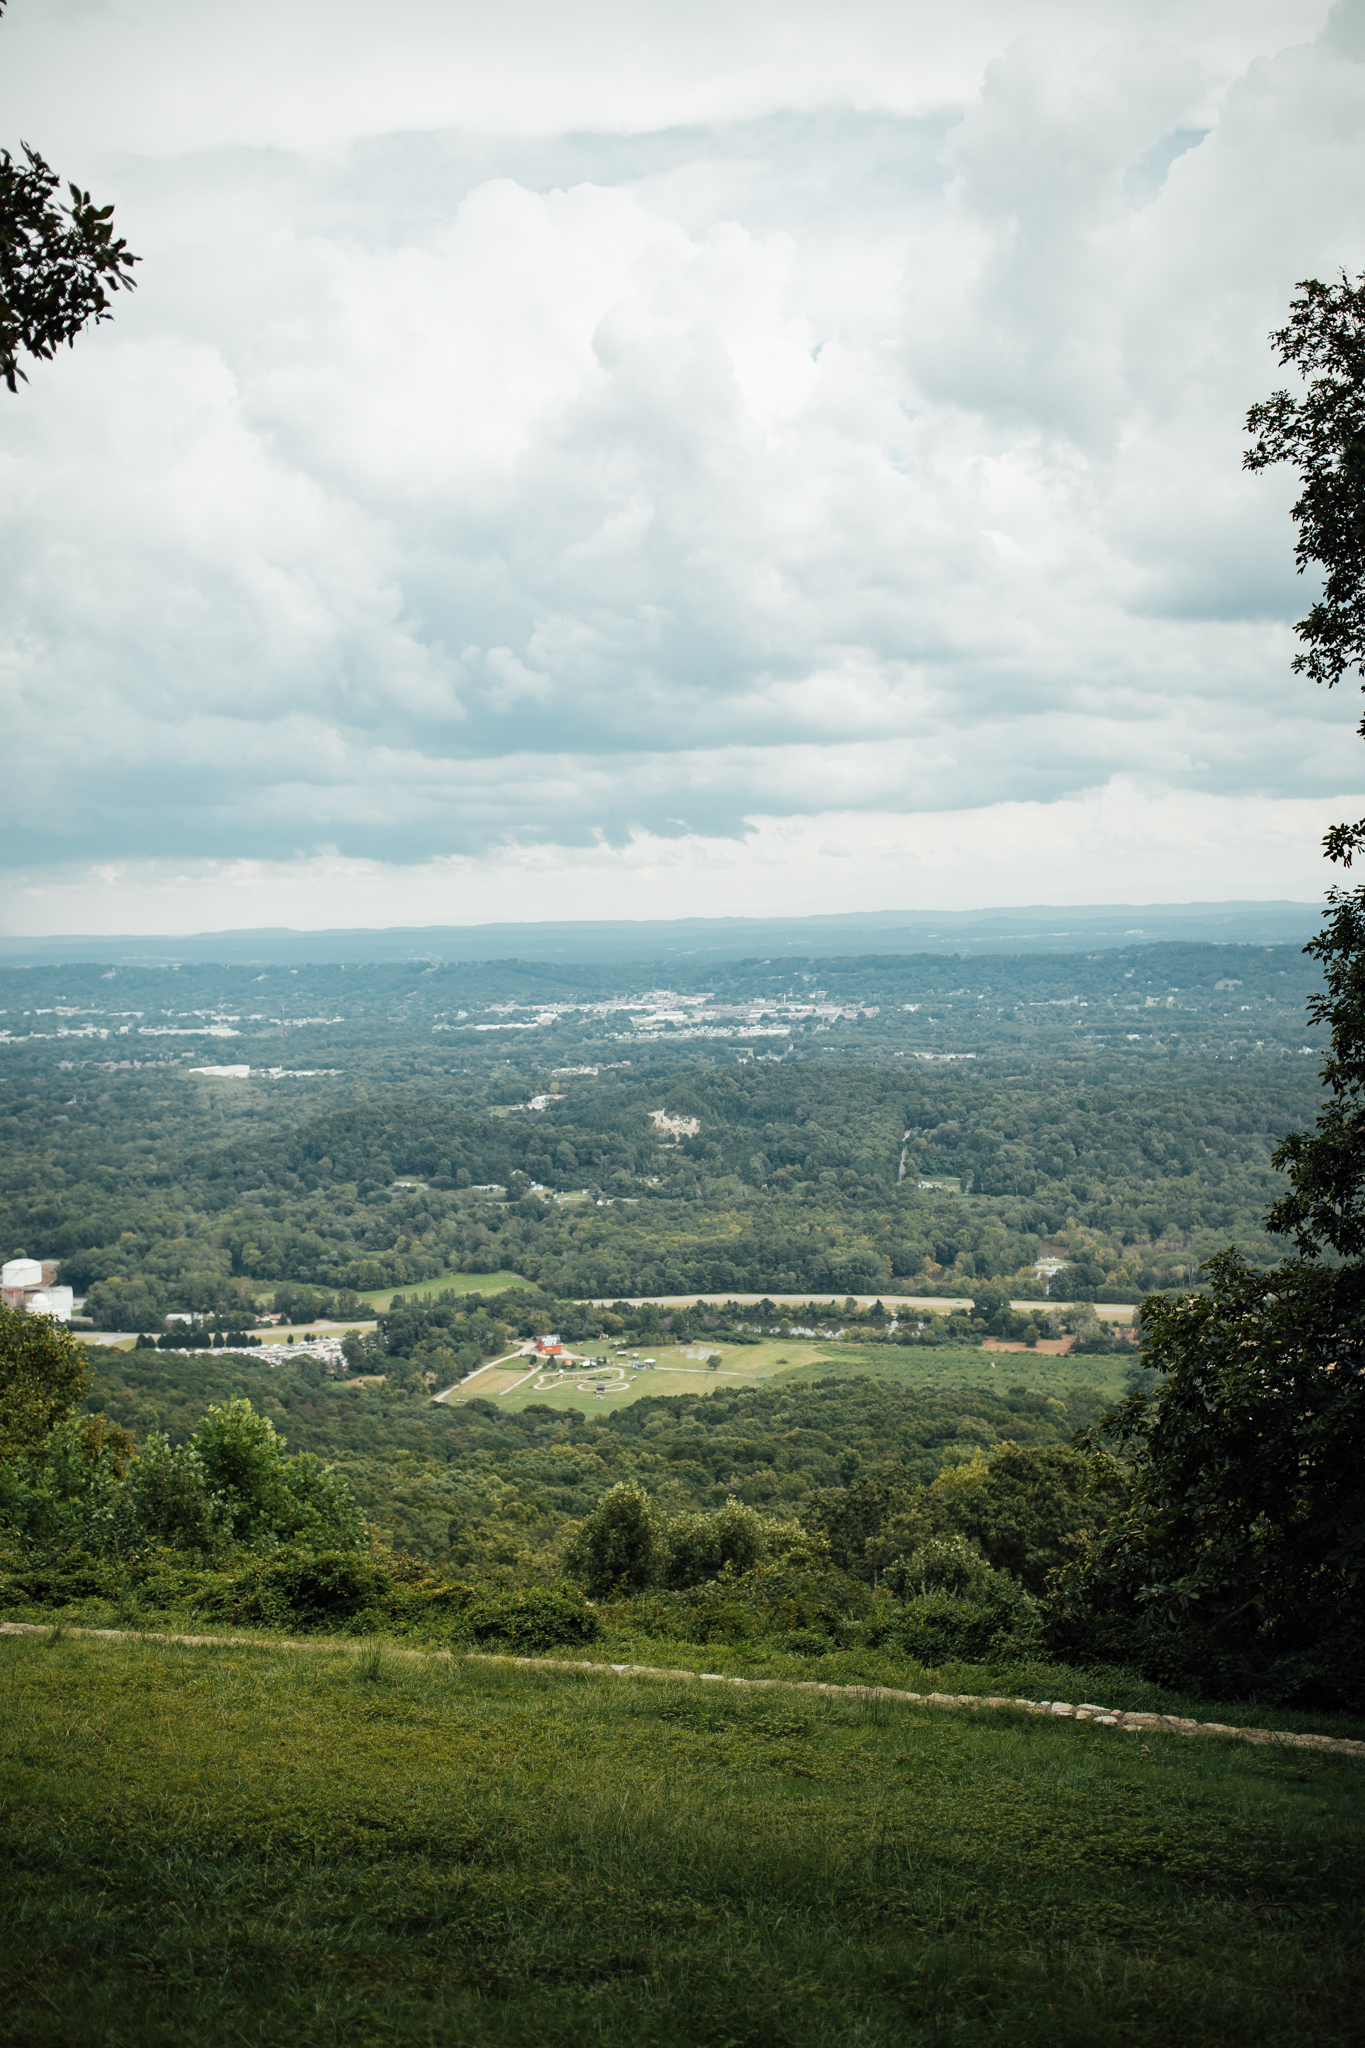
(30, 1285)
(548, 1347)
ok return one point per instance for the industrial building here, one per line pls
(30, 1285)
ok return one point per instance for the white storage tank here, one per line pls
(51, 1301)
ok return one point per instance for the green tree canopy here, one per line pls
(59, 265)
(43, 1375)
(1236, 1559)
(1322, 434)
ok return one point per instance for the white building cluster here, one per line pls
(30, 1285)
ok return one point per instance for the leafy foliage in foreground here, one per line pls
(58, 265)
(1233, 1550)
(81, 1484)
(43, 1375)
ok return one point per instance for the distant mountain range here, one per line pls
(1037, 928)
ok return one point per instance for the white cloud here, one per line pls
(479, 469)
(1119, 844)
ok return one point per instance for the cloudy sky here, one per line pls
(643, 459)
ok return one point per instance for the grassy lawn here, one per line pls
(349, 1845)
(449, 1283)
(674, 1372)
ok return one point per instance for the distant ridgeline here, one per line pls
(1018, 929)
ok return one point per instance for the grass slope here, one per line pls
(252, 1845)
(379, 1298)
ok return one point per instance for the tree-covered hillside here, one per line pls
(476, 1486)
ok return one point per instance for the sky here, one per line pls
(645, 460)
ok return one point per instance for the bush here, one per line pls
(43, 1374)
(698, 1547)
(57, 1581)
(938, 1627)
(620, 1547)
(770, 1600)
(945, 1564)
(539, 1618)
(169, 1496)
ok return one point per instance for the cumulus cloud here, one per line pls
(839, 419)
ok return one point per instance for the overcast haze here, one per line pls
(644, 461)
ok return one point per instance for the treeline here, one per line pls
(977, 1525)
(445, 1332)
(474, 1486)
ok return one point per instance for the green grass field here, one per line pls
(968, 1365)
(937, 1366)
(673, 1373)
(449, 1283)
(349, 1845)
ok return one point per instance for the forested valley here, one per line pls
(865, 1126)
(1041, 1131)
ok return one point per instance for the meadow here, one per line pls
(250, 1844)
(682, 1369)
(379, 1298)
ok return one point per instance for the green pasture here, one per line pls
(936, 1367)
(449, 1283)
(943, 1367)
(742, 1365)
(351, 1845)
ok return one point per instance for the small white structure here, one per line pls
(30, 1285)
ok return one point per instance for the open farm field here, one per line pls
(943, 1367)
(490, 1383)
(678, 1369)
(248, 1844)
(448, 1283)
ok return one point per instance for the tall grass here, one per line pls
(359, 1845)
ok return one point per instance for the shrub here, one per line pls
(169, 1496)
(944, 1564)
(702, 1546)
(771, 1600)
(43, 1374)
(621, 1545)
(937, 1627)
(538, 1618)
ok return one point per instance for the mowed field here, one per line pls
(674, 1372)
(678, 1370)
(380, 1298)
(351, 1845)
